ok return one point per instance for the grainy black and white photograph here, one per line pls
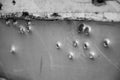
(59, 39)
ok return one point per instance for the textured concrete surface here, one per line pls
(36, 6)
(72, 9)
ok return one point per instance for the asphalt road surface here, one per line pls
(57, 50)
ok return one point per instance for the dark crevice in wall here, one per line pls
(99, 2)
(24, 14)
(1, 5)
(55, 15)
(13, 2)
